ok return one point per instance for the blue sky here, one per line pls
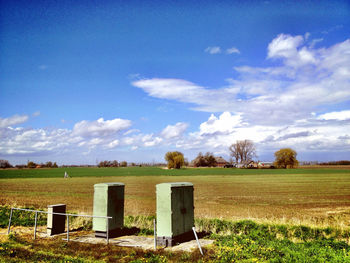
(82, 81)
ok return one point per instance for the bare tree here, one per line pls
(5, 164)
(243, 151)
(235, 150)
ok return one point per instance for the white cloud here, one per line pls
(154, 142)
(128, 140)
(284, 46)
(326, 132)
(336, 115)
(168, 88)
(14, 120)
(141, 140)
(213, 50)
(332, 29)
(186, 91)
(232, 50)
(100, 127)
(287, 48)
(303, 80)
(174, 131)
(149, 140)
(218, 133)
(95, 141)
(315, 41)
(113, 144)
(32, 141)
(131, 131)
(36, 114)
(217, 50)
(88, 135)
(307, 35)
(225, 124)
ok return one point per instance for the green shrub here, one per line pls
(20, 218)
(235, 241)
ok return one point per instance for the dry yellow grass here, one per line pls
(308, 199)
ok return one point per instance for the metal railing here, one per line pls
(107, 224)
(63, 214)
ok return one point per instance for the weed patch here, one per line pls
(20, 218)
(235, 241)
(269, 231)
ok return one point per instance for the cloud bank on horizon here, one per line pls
(292, 103)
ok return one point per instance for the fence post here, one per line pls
(155, 234)
(53, 213)
(107, 232)
(36, 217)
(8, 230)
(67, 228)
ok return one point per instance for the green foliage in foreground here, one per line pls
(298, 233)
(19, 250)
(155, 171)
(27, 218)
(247, 241)
(20, 218)
(245, 248)
(235, 241)
(252, 242)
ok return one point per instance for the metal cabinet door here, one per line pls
(189, 209)
(116, 206)
(182, 210)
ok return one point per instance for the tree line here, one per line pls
(48, 164)
(342, 162)
(113, 163)
(242, 152)
(30, 164)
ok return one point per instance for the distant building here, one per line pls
(221, 162)
(247, 164)
(252, 164)
(266, 165)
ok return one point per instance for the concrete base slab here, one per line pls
(142, 242)
(190, 245)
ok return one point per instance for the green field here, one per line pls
(308, 196)
(142, 171)
(299, 215)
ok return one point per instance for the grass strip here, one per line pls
(235, 241)
(154, 171)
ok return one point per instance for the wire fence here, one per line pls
(54, 213)
(91, 216)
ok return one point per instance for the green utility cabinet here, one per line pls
(175, 213)
(108, 201)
